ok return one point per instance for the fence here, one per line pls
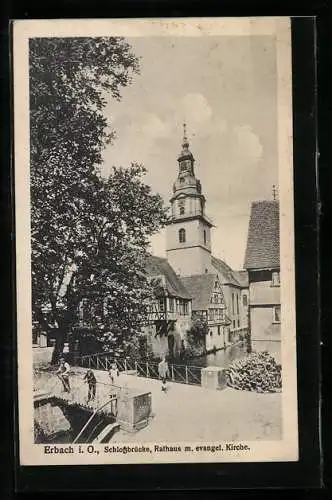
(184, 374)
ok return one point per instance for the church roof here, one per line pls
(228, 276)
(156, 266)
(263, 246)
(200, 288)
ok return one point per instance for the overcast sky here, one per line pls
(225, 89)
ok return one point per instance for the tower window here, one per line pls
(182, 235)
(204, 235)
(181, 207)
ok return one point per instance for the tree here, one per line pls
(89, 235)
(196, 337)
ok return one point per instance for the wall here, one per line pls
(265, 335)
(189, 261)
(158, 345)
(215, 340)
(42, 355)
(262, 326)
(244, 310)
(262, 292)
(234, 316)
(50, 418)
(188, 258)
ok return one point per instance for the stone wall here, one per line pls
(50, 418)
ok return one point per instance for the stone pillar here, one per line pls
(213, 377)
(134, 409)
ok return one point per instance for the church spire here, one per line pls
(185, 143)
(185, 158)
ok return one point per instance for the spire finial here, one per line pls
(185, 140)
(274, 192)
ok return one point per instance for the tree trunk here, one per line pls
(59, 345)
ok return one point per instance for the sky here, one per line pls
(225, 89)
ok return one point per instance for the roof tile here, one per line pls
(263, 246)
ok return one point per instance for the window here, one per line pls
(238, 323)
(219, 332)
(233, 303)
(161, 303)
(210, 333)
(183, 307)
(216, 284)
(275, 279)
(214, 298)
(171, 304)
(237, 303)
(204, 235)
(276, 314)
(182, 235)
(233, 323)
(181, 207)
(245, 300)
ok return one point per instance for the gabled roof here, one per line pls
(156, 266)
(263, 247)
(228, 276)
(200, 288)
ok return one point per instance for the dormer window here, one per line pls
(204, 236)
(182, 235)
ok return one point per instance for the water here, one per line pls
(223, 357)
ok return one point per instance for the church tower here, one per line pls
(188, 236)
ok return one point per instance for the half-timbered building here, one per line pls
(169, 313)
(209, 305)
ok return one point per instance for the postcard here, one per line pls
(154, 241)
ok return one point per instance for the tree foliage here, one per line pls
(196, 337)
(89, 235)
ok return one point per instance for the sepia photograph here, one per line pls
(154, 241)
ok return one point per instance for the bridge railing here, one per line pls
(185, 374)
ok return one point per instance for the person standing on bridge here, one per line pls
(90, 379)
(163, 372)
(63, 374)
(113, 373)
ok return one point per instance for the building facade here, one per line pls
(262, 261)
(169, 313)
(189, 251)
(209, 305)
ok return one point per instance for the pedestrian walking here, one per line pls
(63, 373)
(163, 373)
(90, 379)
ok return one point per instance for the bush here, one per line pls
(258, 372)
